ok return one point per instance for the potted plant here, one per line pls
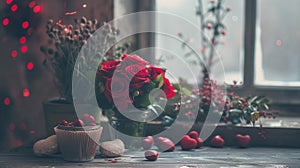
(61, 53)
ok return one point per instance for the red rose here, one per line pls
(116, 89)
(130, 60)
(138, 82)
(133, 69)
(168, 88)
(138, 75)
(155, 71)
(107, 68)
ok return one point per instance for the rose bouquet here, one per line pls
(131, 87)
(130, 80)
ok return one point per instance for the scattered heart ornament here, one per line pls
(188, 143)
(217, 141)
(151, 155)
(243, 140)
(147, 143)
(165, 144)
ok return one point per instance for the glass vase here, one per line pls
(130, 131)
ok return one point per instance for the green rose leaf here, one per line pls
(160, 80)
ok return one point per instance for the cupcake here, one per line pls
(78, 140)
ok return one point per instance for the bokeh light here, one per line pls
(24, 49)
(37, 9)
(26, 92)
(25, 24)
(12, 126)
(5, 21)
(31, 4)
(23, 40)
(9, 2)
(14, 53)
(6, 101)
(14, 8)
(30, 66)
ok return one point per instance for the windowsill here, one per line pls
(278, 132)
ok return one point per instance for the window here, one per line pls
(277, 58)
(262, 45)
(232, 48)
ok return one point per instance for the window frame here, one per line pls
(279, 95)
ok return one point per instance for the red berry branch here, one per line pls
(212, 29)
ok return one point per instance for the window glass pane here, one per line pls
(277, 43)
(232, 49)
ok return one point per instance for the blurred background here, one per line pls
(25, 83)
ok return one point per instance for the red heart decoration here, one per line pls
(165, 144)
(151, 139)
(147, 143)
(243, 140)
(151, 155)
(199, 142)
(194, 134)
(88, 119)
(188, 143)
(217, 141)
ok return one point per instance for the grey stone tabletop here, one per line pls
(204, 157)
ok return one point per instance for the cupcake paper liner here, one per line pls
(78, 145)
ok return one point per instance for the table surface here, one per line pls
(204, 157)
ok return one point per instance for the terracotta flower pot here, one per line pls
(56, 110)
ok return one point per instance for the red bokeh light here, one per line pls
(26, 93)
(5, 21)
(22, 126)
(8, 2)
(12, 126)
(37, 9)
(25, 24)
(278, 42)
(24, 49)
(19, 142)
(14, 8)
(6, 101)
(32, 132)
(23, 40)
(14, 53)
(31, 4)
(30, 66)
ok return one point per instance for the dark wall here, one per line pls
(24, 81)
